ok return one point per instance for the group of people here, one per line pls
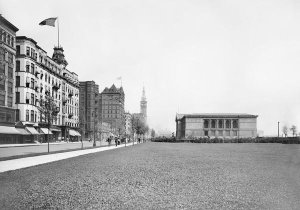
(118, 140)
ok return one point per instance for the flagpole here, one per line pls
(58, 31)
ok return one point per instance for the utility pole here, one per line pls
(278, 128)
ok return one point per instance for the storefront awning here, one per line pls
(32, 130)
(55, 129)
(73, 133)
(46, 131)
(8, 130)
(23, 131)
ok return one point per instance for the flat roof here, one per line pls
(216, 115)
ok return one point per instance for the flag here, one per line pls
(119, 78)
(49, 22)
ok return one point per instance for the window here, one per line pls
(32, 68)
(213, 133)
(2, 54)
(206, 123)
(17, 97)
(45, 77)
(27, 67)
(32, 98)
(27, 115)
(10, 72)
(18, 49)
(234, 133)
(205, 133)
(28, 51)
(235, 124)
(213, 123)
(227, 133)
(227, 124)
(2, 117)
(27, 98)
(35, 116)
(9, 101)
(17, 115)
(32, 115)
(10, 58)
(32, 83)
(10, 87)
(9, 117)
(17, 81)
(17, 65)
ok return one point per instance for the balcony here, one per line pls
(56, 86)
(71, 95)
(70, 115)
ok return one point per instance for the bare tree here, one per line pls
(294, 130)
(285, 130)
(152, 133)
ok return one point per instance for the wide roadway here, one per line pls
(162, 176)
(6, 152)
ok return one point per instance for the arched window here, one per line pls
(235, 124)
(220, 124)
(213, 123)
(206, 123)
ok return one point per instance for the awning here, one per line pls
(23, 131)
(32, 130)
(8, 130)
(46, 131)
(55, 129)
(73, 133)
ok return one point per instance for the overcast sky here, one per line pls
(192, 56)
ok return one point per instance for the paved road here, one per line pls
(28, 150)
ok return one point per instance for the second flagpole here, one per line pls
(58, 31)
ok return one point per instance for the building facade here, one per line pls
(7, 81)
(216, 125)
(143, 106)
(89, 108)
(38, 76)
(112, 108)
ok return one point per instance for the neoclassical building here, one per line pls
(216, 125)
(37, 75)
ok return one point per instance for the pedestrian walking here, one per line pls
(116, 141)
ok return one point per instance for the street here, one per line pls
(42, 148)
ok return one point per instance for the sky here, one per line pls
(192, 56)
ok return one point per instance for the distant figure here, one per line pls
(116, 141)
(139, 140)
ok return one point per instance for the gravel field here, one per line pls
(162, 176)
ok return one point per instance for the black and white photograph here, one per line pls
(150, 104)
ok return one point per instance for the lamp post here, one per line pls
(278, 128)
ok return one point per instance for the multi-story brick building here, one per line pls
(216, 125)
(112, 108)
(7, 82)
(89, 108)
(38, 75)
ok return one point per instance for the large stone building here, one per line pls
(38, 75)
(89, 108)
(216, 125)
(112, 108)
(7, 82)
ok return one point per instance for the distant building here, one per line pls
(216, 125)
(8, 133)
(112, 108)
(89, 114)
(142, 116)
(38, 75)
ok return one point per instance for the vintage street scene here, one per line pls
(139, 104)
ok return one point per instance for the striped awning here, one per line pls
(32, 130)
(8, 130)
(23, 131)
(46, 131)
(74, 133)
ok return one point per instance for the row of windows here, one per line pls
(213, 123)
(9, 58)
(9, 100)
(6, 117)
(7, 38)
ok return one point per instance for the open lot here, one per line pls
(162, 176)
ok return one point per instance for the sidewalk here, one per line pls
(15, 164)
(34, 144)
